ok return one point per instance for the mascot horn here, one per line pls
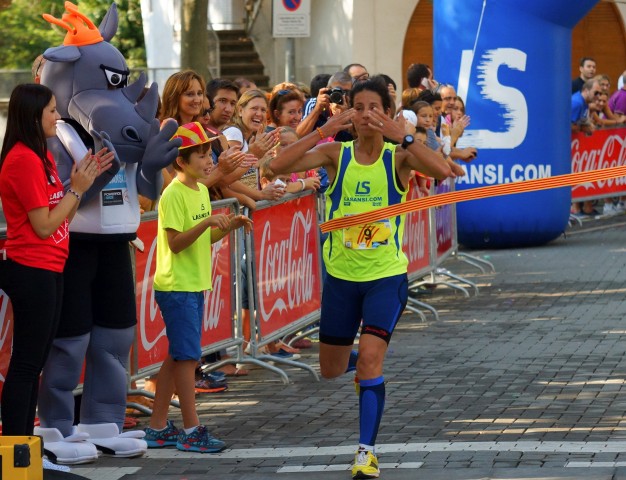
(89, 79)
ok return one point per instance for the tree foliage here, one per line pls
(25, 34)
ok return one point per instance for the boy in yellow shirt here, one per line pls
(186, 230)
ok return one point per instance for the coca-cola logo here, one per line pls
(213, 300)
(415, 236)
(612, 153)
(148, 304)
(286, 275)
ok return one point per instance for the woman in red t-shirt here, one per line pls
(37, 212)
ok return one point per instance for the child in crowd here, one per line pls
(426, 119)
(423, 182)
(183, 274)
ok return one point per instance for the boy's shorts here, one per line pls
(182, 313)
(378, 303)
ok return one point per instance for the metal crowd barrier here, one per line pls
(284, 276)
(439, 234)
(221, 324)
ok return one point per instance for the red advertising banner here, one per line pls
(602, 149)
(287, 263)
(6, 335)
(6, 331)
(218, 307)
(416, 243)
(443, 221)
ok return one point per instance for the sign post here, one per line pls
(291, 19)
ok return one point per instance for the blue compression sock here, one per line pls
(371, 405)
(354, 356)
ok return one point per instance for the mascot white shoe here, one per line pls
(75, 449)
(108, 439)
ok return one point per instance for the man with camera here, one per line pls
(332, 100)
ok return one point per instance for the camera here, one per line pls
(336, 95)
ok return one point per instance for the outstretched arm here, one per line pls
(304, 155)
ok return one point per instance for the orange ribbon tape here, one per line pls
(557, 181)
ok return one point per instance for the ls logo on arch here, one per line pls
(512, 100)
(511, 62)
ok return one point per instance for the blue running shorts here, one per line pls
(182, 313)
(378, 303)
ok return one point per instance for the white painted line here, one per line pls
(595, 464)
(341, 468)
(521, 446)
(104, 473)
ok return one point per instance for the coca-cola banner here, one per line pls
(416, 236)
(218, 306)
(6, 328)
(443, 221)
(603, 149)
(6, 335)
(287, 263)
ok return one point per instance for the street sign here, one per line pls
(291, 18)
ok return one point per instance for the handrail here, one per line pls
(252, 12)
(215, 71)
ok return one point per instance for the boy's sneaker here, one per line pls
(365, 465)
(162, 438)
(200, 440)
(209, 382)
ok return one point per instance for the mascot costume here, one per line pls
(89, 79)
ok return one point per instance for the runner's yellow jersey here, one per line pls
(374, 250)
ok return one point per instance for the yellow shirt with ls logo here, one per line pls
(373, 250)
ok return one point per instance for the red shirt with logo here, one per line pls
(24, 187)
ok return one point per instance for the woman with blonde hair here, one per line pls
(409, 97)
(247, 132)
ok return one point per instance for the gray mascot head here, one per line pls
(89, 78)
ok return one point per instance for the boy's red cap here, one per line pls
(192, 134)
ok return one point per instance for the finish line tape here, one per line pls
(567, 180)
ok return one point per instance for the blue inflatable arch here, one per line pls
(510, 61)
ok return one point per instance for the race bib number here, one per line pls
(368, 236)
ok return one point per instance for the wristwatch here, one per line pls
(408, 140)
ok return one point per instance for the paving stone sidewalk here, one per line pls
(525, 380)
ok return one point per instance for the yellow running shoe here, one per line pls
(365, 465)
